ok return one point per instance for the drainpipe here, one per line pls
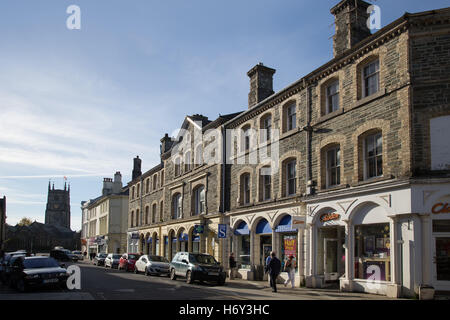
(309, 129)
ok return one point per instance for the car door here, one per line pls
(143, 264)
(183, 266)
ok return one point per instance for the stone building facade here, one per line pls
(347, 169)
(170, 200)
(57, 212)
(105, 218)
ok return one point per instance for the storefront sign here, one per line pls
(441, 208)
(298, 222)
(329, 217)
(222, 231)
(290, 246)
(198, 228)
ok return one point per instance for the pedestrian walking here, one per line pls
(266, 267)
(274, 270)
(289, 267)
(232, 266)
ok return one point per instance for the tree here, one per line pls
(25, 221)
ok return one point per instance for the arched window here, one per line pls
(245, 138)
(266, 126)
(289, 117)
(137, 217)
(176, 206)
(332, 97)
(147, 186)
(199, 200)
(161, 211)
(138, 190)
(177, 167)
(187, 161)
(133, 193)
(373, 155)
(371, 78)
(155, 180)
(289, 176)
(330, 166)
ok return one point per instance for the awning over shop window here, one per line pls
(174, 239)
(285, 225)
(242, 229)
(196, 239)
(263, 227)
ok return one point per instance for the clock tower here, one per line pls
(57, 212)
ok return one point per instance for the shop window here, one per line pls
(441, 225)
(373, 154)
(372, 252)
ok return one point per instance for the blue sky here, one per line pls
(83, 103)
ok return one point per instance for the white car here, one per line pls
(150, 264)
(78, 254)
(112, 260)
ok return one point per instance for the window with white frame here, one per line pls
(373, 153)
(199, 200)
(333, 166)
(176, 206)
(291, 117)
(371, 78)
(266, 126)
(291, 187)
(332, 95)
(266, 185)
(245, 188)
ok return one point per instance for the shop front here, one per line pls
(133, 242)
(183, 241)
(287, 238)
(240, 245)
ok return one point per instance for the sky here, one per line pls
(83, 103)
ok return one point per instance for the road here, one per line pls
(110, 284)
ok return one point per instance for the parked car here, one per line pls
(112, 260)
(63, 255)
(99, 259)
(27, 272)
(6, 265)
(127, 261)
(78, 254)
(150, 264)
(197, 266)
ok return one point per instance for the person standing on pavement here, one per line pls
(289, 267)
(266, 267)
(232, 266)
(274, 270)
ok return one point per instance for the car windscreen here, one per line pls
(116, 256)
(40, 263)
(202, 258)
(158, 259)
(133, 257)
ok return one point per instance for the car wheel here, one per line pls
(221, 281)
(173, 276)
(146, 271)
(189, 278)
(20, 285)
(136, 270)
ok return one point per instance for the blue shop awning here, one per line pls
(285, 225)
(184, 237)
(263, 227)
(196, 239)
(242, 229)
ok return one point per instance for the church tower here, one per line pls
(58, 207)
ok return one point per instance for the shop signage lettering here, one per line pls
(441, 208)
(329, 216)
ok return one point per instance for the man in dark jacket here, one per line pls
(274, 270)
(232, 266)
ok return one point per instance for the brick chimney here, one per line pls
(261, 84)
(136, 167)
(166, 143)
(351, 24)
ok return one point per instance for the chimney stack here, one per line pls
(107, 186)
(261, 84)
(136, 167)
(117, 185)
(166, 143)
(351, 24)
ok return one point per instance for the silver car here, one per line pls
(150, 264)
(112, 260)
(78, 254)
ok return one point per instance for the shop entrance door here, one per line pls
(441, 262)
(330, 259)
